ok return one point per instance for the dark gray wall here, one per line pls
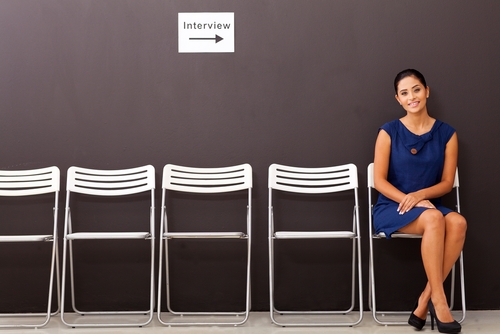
(99, 84)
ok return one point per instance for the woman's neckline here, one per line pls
(422, 134)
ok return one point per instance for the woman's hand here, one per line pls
(411, 200)
(425, 204)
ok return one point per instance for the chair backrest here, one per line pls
(207, 180)
(29, 182)
(313, 180)
(110, 182)
(371, 182)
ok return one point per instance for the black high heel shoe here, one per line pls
(416, 321)
(443, 327)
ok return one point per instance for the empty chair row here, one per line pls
(84, 183)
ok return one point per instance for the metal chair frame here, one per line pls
(107, 183)
(316, 181)
(372, 295)
(204, 181)
(17, 183)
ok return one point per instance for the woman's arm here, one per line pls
(418, 198)
(381, 168)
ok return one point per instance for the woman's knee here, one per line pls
(433, 219)
(456, 223)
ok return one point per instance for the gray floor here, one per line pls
(259, 322)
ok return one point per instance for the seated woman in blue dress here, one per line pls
(414, 166)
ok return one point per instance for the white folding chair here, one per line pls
(107, 183)
(32, 182)
(205, 181)
(309, 181)
(379, 315)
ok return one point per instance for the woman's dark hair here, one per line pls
(408, 73)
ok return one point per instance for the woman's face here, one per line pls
(412, 95)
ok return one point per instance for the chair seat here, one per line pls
(314, 235)
(108, 235)
(26, 238)
(204, 235)
(396, 235)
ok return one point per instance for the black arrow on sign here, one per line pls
(217, 38)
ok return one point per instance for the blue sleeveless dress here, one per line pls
(416, 162)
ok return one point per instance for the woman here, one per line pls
(414, 165)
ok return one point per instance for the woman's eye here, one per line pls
(417, 90)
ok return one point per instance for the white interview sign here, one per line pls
(206, 32)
